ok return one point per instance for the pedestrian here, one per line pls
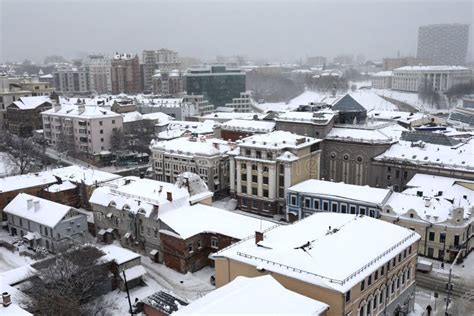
(428, 309)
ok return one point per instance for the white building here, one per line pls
(441, 78)
(99, 68)
(204, 156)
(81, 128)
(178, 108)
(242, 104)
(382, 80)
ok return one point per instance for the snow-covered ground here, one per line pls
(464, 271)
(410, 98)
(11, 260)
(304, 98)
(6, 166)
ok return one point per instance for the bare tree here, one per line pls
(20, 153)
(117, 140)
(65, 284)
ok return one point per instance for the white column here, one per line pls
(239, 177)
(249, 178)
(272, 187)
(287, 175)
(232, 174)
(260, 179)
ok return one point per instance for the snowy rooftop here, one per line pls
(342, 190)
(249, 125)
(88, 111)
(179, 128)
(192, 220)
(318, 118)
(132, 117)
(7, 280)
(430, 68)
(383, 74)
(372, 101)
(119, 254)
(433, 210)
(281, 250)
(229, 116)
(88, 176)
(30, 103)
(459, 157)
(253, 296)
(107, 100)
(190, 146)
(163, 102)
(140, 195)
(161, 117)
(37, 210)
(278, 140)
(400, 116)
(29, 180)
(382, 133)
(66, 185)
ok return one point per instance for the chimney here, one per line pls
(29, 203)
(427, 202)
(6, 299)
(258, 236)
(36, 205)
(169, 196)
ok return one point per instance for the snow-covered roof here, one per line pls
(318, 263)
(317, 118)
(119, 254)
(229, 116)
(88, 176)
(249, 125)
(383, 133)
(38, 210)
(29, 180)
(104, 100)
(459, 157)
(163, 102)
(278, 140)
(372, 101)
(66, 185)
(253, 296)
(342, 190)
(383, 74)
(132, 117)
(430, 68)
(30, 103)
(192, 220)
(7, 279)
(399, 116)
(134, 273)
(140, 195)
(190, 146)
(433, 210)
(87, 111)
(179, 128)
(161, 117)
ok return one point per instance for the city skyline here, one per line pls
(260, 30)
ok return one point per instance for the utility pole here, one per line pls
(449, 285)
(128, 293)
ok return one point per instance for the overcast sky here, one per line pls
(274, 30)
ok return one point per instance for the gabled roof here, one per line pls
(46, 212)
(348, 104)
(31, 103)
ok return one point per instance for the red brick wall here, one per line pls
(233, 135)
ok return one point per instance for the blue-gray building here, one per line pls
(311, 196)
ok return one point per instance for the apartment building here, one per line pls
(440, 78)
(99, 67)
(202, 105)
(264, 165)
(208, 157)
(162, 59)
(128, 209)
(440, 209)
(168, 82)
(80, 128)
(178, 108)
(125, 74)
(23, 116)
(243, 103)
(43, 223)
(357, 279)
(72, 81)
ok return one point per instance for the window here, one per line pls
(362, 210)
(307, 202)
(316, 204)
(254, 191)
(100, 123)
(265, 180)
(254, 179)
(265, 193)
(244, 177)
(293, 199)
(405, 175)
(456, 240)
(102, 140)
(214, 242)
(442, 237)
(376, 276)
(190, 248)
(353, 209)
(431, 236)
(381, 270)
(362, 285)
(393, 287)
(102, 131)
(369, 280)
(113, 121)
(362, 312)
(348, 296)
(343, 208)
(199, 244)
(325, 206)
(334, 207)
(244, 189)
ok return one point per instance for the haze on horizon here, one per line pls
(284, 31)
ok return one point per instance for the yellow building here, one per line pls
(356, 264)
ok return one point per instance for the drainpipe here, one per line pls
(426, 237)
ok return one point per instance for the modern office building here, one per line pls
(443, 44)
(125, 74)
(218, 84)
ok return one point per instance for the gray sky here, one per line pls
(275, 30)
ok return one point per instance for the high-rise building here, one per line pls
(218, 84)
(125, 71)
(443, 44)
(100, 73)
(168, 83)
(162, 59)
(72, 81)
